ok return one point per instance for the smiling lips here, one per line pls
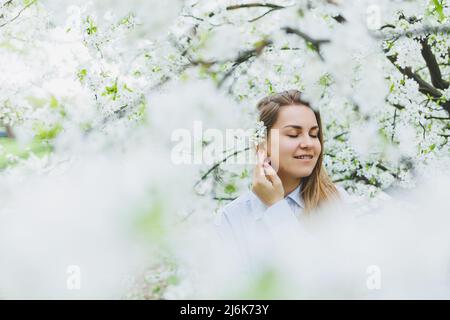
(305, 157)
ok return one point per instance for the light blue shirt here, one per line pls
(242, 222)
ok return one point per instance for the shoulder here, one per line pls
(344, 195)
(239, 202)
(238, 209)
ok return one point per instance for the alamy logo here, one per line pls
(200, 146)
(74, 277)
(374, 279)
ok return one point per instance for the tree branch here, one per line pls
(254, 5)
(437, 118)
(418, 31)
(273, 7)
(382, 167)
(398, 106)
(339, 18)
(217, 164)
(424, 87)
(432, 65)
(354, 176)
(193, 17)
(244, 56)
(224, 198)
(340, 135)
(315, 43)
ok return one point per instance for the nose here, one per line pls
(306, 142)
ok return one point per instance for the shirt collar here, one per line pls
(295, 195)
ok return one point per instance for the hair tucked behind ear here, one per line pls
(317, 188)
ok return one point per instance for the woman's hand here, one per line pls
(266, 183)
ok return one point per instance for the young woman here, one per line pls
(289, 180)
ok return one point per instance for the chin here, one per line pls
(301, 173)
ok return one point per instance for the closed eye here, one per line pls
(312, 136)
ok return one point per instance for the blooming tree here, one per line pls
(84, 82)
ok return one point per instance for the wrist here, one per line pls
(270, 204)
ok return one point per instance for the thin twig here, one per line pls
(393, 124)
(340, 135)
(411, 32)
(264, 14)
(315, 43)
(18, 14)
(254, 5)
(224, 198)
(243, 57)
(193, 17)
(217, 164)
(437, 118)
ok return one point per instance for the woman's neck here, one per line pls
(289, 183)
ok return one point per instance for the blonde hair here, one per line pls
(317, 188)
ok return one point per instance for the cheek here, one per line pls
(283, 147)
(287, 150)
(318, 146)
(288, 146)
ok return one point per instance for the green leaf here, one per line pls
(150, 221)
(156, 289)
(269, 84)
(173, 280)
(11, 146)
(244, 174)
(92, 28)
(325, 80)
(311, 46)
(28, 2)
(43, 133)
(37, 102)
(127, 88)
(53, 102)
(264, 285)
(156, 69)
(230, 188)
(439, 8)
(112, 90)
(391, 88)
(82, 74)
(432, 147)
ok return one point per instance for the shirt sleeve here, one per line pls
(223, 226)
(228, 237)
(279, 213)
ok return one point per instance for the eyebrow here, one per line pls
(299, 127)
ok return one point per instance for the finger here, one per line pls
(260, 158)
(271, 174)
(258, 171)
(264, 148)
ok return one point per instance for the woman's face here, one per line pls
(298, 136)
